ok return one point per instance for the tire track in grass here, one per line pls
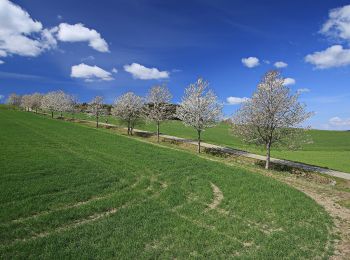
(97, 216)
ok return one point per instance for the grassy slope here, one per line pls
(157, 200)
(329, 149)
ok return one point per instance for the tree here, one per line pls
(14, 100)
(199, 108)
(128, 107)
(156, 109)
(35, 101)
(49, 102)
(65, 102)
(273, 116)
(26, 102)
(57, 101)
(96, 108)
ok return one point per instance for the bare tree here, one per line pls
(128, 107)
(35, 101)
(273, 116)
(199, 108)
(96, 109)
(14, 100)
(156, 109)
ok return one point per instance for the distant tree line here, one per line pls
(272, 117)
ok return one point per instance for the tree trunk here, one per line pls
(61, 115)
(51, 114)
(268, 148)
(97, 121)
(129, 127)
(36, 110)
(158, 131)
(199, 141)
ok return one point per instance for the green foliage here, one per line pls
(70, 191)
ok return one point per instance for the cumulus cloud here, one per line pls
(289, 81)
(338, 24)
(334, 56)
(90, 73)
(250, 62)
(280, 64)
(22, 35)
(303, 90)
(79, 33)
(337, 121)
(18, 31)
(139, 71)
(2, 62)
(114, 70)
(236, 100)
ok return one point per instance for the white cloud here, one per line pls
(139, 71)
(79, 33)
(337, 121)
(267, 61)
(250, 62)
(289, 81)
(334, 56)
(303, 90)
(2, 62)
(114, 70)
(236, 100)
(48, 40)
(338, 24)
(3, 53)
(1, 97)
(90, 73)
(18, 31)
(280, 64)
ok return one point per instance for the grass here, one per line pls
(330, 149)
(71, 191)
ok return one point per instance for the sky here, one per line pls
(107, 48)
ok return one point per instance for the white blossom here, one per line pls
(199, 108)
(96, 109)
(35, 101)
(14, 100)
(157, 108)
(57, 101)
(273, 116)
(128, 107)
(26, 102)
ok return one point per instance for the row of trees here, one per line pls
(273, 116)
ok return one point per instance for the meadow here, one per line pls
(330, 149)
(72, 191)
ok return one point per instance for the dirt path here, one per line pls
(303, 166)
(218, 197)
(329, 198)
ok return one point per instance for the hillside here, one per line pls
(69, 191)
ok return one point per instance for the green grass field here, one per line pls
(71, 191)
(329, 148)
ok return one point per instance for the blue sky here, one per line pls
(50, 45)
